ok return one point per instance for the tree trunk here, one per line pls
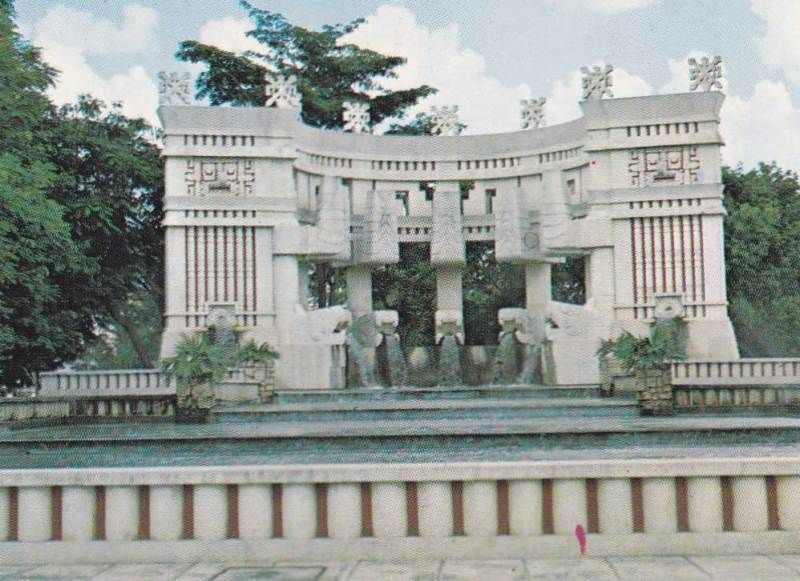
(136, 340)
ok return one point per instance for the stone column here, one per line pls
(359, 290)
(449, 289)
(287, 294)
(447, 249)
(537, 294)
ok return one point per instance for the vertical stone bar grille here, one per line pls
(144, 513)
(366, 510)
(188, 512)
(57, 508)
(321, 491)
(592, 509)
(503, 506)
(457, 495)
(277, 510)
(773, 516)
(412, 509)
(548, 522)
(727, 503)
(232, 497)
(682, 504)
(637, 503)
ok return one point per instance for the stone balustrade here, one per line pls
(399, 511)
(106, 382)
(740, 383)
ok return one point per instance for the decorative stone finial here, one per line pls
(356, 117)
(706, 74)
(281, 91)
(597, 82)
(533, 112)
(445, 120)
(174, 88)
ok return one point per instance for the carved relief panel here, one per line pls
(663, 166)
(230, 178)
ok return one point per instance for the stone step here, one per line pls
(439, 392)
(428, 409)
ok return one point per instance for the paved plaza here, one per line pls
(599, 569)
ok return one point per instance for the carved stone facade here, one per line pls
(533, 112)
(445, 120)
(659, 166)
(174, 88)
(281, 91)
(597, 82)
(220, 177)
(705, 74)
(355, 117)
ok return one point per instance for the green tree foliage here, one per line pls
(762, 255)
(80, 191)
(110, 185)
(329, 70)
(40, 325)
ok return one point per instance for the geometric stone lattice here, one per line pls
(355, 117)
(230, 178)
(706, 74)
(670, 165)
(597, 82)
(533, 112)
(445, 120)
(281, 91)
(173, 88)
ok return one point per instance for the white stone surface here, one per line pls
(210, 512)
(750, 512)
(122, 513)
(569, 505)
(166, 513)
(525, 507)
(389, 517)
(255, 511)
(4, 516)
(344, 510)
(788, 507)
(480, 508)
(615, 507)
(78, 513)
(659, 505)
(435, 509)
(299, 511)
(705, 504)
(34, 516)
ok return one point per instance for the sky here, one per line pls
(482, 55)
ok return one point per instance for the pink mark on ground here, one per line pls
(581, 536)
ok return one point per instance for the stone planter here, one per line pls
(654, 391)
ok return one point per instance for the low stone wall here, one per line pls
(399, 511)
(22, 409)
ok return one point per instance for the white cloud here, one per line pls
(762, 128)
(779, 46)
(565, 94)
(229, 34)
(607, 6)
(436, 57)
(67, 36)
(65, 26)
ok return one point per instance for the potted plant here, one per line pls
(647, 359)
(197, 366)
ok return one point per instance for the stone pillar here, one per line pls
(600, 279)
(537, 295)
(359, 290)
(210, 512)
(122, 513)
(525, 500)
(287, 294)
(449, 289)
(344, 510)
(77, 509)
(447, 249)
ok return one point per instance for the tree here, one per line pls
(110, 185)
(40, 326)
(329, 70)
(762, 228)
